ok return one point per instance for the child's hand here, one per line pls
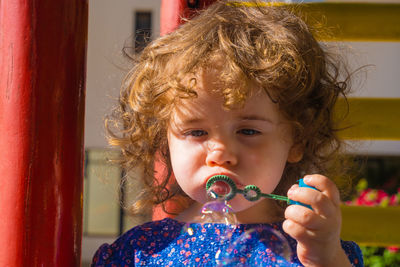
(317, 231)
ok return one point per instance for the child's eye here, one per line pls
(196, 133)
(248, 132)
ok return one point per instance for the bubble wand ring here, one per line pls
(223, 178)
(251, 192)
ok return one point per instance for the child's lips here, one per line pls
(237, 183)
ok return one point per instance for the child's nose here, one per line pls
(219, 155)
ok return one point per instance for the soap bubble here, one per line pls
(216, 211)
(258, 246)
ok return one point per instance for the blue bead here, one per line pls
(302, 184)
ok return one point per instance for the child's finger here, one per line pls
(320, 203)
(305, 217)
(297, 231)
(325, 185)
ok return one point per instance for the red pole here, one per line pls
(42, 93)
(172, 12)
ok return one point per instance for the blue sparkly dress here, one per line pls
(169, 243)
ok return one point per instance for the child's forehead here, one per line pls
(209, 106)
(213, 80)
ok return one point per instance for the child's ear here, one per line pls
(295, 153)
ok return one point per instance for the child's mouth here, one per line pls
(221, 188)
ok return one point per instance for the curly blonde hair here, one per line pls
(268, 45)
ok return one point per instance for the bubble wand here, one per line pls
(250, 192)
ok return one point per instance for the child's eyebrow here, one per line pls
(242, 118)
(255, 118)
(191, 120)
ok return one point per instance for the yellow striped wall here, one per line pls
(371, 31)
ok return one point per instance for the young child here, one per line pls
(240, 90)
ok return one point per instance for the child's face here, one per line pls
(251, 145)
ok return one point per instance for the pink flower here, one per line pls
(393, 249)
(367, 197)
(382, 198)
(373, 197)
(394, 199)
(381, 195)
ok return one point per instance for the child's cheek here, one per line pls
(187, 159)
(253, 159)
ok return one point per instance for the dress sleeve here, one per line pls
(353, 252)
(102, 256)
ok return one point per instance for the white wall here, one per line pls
(111, 25)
